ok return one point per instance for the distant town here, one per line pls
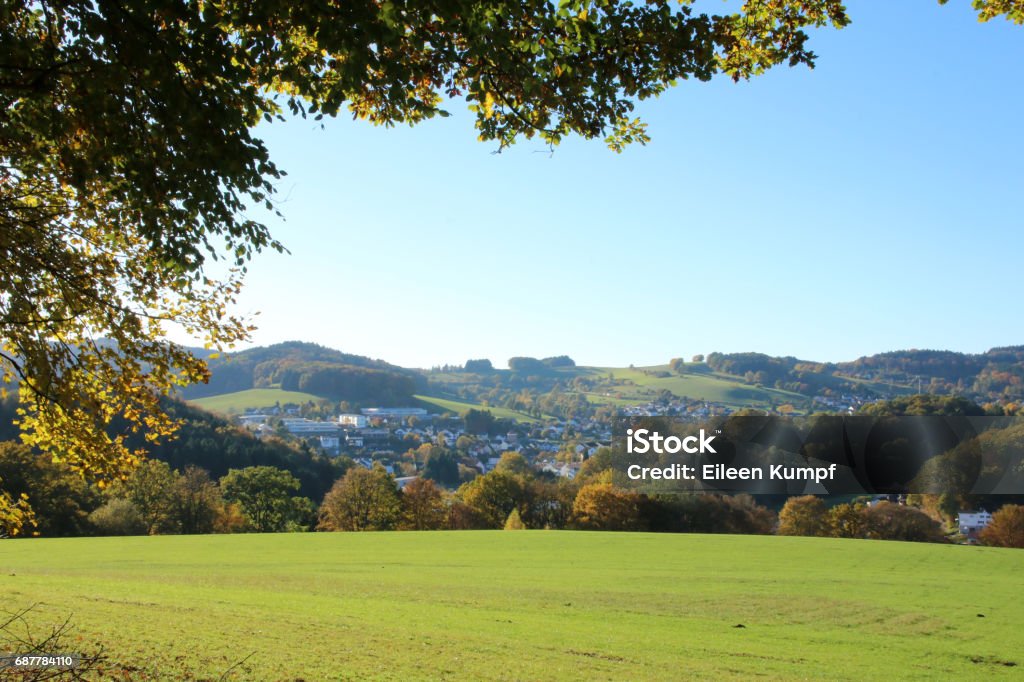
(555, 445)
(380, 434)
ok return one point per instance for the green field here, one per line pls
(254, 398)
(613, 399)
(533, 605)
(713, 387)
(460, 408)
(636, 387)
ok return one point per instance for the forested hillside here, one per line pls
(211, 443)
(997, 374)
(310, 368)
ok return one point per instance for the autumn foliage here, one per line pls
(1006, 529)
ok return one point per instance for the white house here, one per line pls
(252, 421)
(395, 412)
(357, 420)
(972, 522)
(569, 470)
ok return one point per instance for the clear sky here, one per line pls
(871, 204)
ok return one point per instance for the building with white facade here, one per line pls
(251, 421)
(359, 421)
(394, 412)
(307, 427)
(972, 522)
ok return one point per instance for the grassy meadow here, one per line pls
(533, 605)
(711, 386)
(634, 386)
(638, 387)
(253, 398)
(461, 407)
(257, 398)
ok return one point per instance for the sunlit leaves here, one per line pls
(528, 68)
(16, 516)
(1011, 10)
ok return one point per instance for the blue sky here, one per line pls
(871, 204)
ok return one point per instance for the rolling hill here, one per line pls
(253, 399)
(699, 385)
(297, 372)
(308, 368)
(460, 408)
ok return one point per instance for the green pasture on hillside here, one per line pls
(712, 387)
(461, 407)
(253, 398)
(642, 388)
(530, 605)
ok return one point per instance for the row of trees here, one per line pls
(154, 498)
(997, 374)
(528, 365)
(563, 399)
(808, 515)
(514, 496)
(157, 499)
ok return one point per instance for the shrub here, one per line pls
(118, 517)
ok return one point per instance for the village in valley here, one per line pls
(559, 423)
(557, 446)
(386, 434)
(401, 438)
(554, 444)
